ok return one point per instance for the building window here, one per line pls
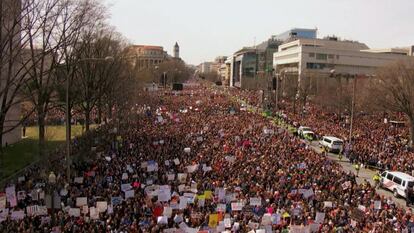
(331, 56)
(321, 56)
(311, 54)
(337, 56)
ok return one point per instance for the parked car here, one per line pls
(397, 182)
(332, 144)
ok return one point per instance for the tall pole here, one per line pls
(352, 111)
(68, 125)
(277, 93)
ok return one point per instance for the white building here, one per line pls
(324, 55)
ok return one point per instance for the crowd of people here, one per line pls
(193, 161)
(379, 140)
(56, 116)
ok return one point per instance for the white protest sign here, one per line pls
(320, 217)
(162, 220)
(255, 201)
(167, 211)
(81, 201)
(170, 177)
(93, 213)
(187, 150)
(78, 180)
(101, 206)
(75, 212)
(124, 176)
(176, 161)
(236, 206)
(327, 204)
(183, 202)
(227, 222)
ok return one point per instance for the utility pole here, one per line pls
(352, 109)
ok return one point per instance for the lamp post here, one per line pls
(352, 110)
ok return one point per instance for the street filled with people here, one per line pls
(196, 161)
(379, 140)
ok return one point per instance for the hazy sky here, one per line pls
(205, 29)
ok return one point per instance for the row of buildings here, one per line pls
(299, 52)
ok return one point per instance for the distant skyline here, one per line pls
(207, 29)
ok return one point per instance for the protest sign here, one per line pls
(81, 201)
(167, 211)
(75, 212)
(17, 215)
(126, 187)
(93, 213)
(116, 201)
(236, 206)
(129, 194)
(78, 180)
(11, 195)
(183, 202)
(162, 220)
(192, 168)
(327, 204)
(320, 217)
(101, 206)
(255, 201)
(213, 220)
(170, 177)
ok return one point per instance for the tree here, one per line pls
(96, 74)
(51, 27)
(393, 90)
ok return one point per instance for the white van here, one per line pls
(333, 144)
(397, 182)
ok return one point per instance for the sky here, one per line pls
(205, 29)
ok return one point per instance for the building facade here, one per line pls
(147, 56)
(10, 54)
(324, 56)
